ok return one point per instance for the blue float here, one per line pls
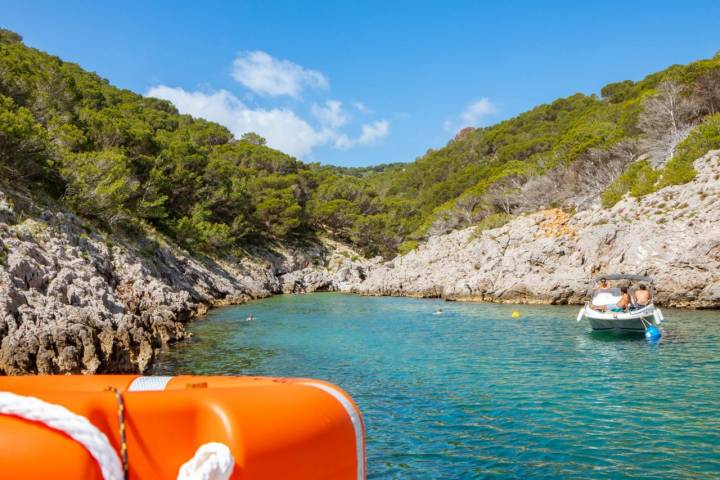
(652, 333)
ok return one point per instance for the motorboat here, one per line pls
(603, 314)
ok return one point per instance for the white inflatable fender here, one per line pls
(657, 314)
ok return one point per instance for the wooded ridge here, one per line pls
(124, 161)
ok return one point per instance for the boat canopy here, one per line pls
(622, 276)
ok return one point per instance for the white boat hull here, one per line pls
(632, 321)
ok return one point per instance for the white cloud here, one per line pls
(282, 128)
(267, 75)
(361, 107)
(371, 133)
(478, 110)
(331, 114)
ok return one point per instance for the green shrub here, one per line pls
(198, 233)
(496, 220)
(619, 91)
(100, 185)
(7, 36)
(639, 179)
(645, 180)
(612, 194)
(337, 215)
(23, 142)
(703, 138)
(407, 247)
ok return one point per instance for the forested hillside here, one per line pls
(122, 159)
(126, 161)
(636, 137)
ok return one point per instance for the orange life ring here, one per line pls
(274, 427)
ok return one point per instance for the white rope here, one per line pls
(75, 426)
(212, 461)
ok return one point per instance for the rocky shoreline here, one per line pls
(548, 257)
(73, 300)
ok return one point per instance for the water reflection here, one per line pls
(614, 337)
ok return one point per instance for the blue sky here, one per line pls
(366, 82)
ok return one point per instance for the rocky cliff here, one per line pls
(549, 256)
(75, 300)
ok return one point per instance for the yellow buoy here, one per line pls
(516, 314)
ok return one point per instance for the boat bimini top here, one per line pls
(622, 276)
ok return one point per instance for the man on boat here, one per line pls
(625, 301)
(603, 283)
(642, 296)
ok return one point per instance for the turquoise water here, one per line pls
(474, 393)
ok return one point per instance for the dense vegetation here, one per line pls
(127, 161)
(564, 153)
(123, 159)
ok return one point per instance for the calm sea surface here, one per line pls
(474, 393)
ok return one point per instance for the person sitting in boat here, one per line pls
(625, 301)
(603, 284)
(642, 296)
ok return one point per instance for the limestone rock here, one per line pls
(73, 300)
(549, 257)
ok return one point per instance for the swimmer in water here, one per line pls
(250, 318)
(439, 311)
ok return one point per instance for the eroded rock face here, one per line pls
(548, 257)
(337, 268)
(75, 301)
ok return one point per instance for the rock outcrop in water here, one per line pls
(548, 257)
(73, 300)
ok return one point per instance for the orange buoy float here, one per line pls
(250, 427)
